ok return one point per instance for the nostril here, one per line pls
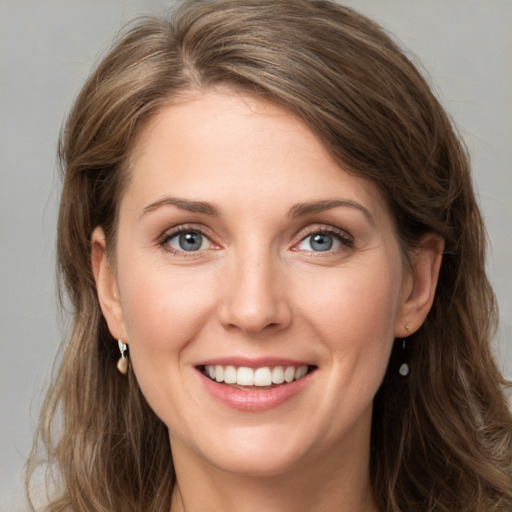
(253, 301)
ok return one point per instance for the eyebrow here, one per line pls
(298, 210)
(183, 204)
(302, 209)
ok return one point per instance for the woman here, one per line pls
(276, 262)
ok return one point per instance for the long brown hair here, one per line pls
(442, 438)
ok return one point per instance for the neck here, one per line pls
(323, 486)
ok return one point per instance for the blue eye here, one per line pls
(188, 241)
(321, 242)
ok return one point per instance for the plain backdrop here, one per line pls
(47, 49)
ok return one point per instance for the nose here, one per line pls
(255, 299)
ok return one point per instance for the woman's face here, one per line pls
(246, 257)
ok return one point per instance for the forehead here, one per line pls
(214, 143)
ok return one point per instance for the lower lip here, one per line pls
(254, 400)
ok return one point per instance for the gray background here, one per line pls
(46, 50)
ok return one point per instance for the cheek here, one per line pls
(355, 299)
(354, 321)
(354, 314)
(163, 310)
(163, 316)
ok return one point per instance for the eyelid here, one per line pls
(344, 237)
(170, 233)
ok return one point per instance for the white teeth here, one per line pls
(289, 374)
(245, 376)
(300, 372)
(262, 377)
(277, 375)
(230, 375)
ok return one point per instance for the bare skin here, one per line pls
(241, 243)
(333, 488)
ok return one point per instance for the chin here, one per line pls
(251, 451)
(259, 463)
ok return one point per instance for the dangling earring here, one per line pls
(404, 367)
(122, 363)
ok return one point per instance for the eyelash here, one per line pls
(341, 236)
(168, 236)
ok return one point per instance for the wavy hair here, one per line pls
(441, 439)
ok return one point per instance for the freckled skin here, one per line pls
(257, 287)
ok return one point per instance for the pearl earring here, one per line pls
(122, 363)
(404, 367)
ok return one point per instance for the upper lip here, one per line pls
(259, 362)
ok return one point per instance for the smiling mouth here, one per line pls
(265, 377)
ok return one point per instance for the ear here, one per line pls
(106, 286)
(419, 285)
